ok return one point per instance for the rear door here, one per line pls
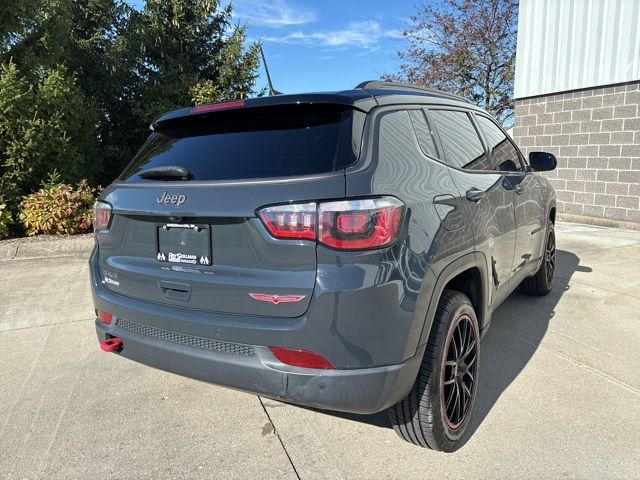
(196, 242)
(529, 207)
(490, 197)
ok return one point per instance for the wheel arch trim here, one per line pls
(466, 262)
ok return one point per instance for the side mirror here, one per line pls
(542, 161)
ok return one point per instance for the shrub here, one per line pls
(5, 220)
(58, 209)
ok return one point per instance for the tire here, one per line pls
(541, 283)
(420, 418)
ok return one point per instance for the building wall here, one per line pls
(595, 135)
(570, 44)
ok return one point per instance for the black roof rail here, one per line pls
(406, 86)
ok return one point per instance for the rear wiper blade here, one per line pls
(168, 172)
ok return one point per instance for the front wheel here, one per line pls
(436, 412)
(541, 283)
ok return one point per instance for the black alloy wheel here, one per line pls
(459, 376)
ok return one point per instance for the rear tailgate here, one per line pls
(198, 243)
(244, 258)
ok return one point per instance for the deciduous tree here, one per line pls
(466, 47)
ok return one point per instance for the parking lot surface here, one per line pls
(559, 392)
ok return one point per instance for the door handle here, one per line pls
(519, 189)
(475, 195)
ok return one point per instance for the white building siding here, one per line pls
(572, 44)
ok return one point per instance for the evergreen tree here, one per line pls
(43, 127)
(117, 69)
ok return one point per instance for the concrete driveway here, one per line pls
(559, 392)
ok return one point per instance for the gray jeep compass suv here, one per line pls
(340, 250)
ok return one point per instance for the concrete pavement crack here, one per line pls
(81, 256)
(46, 325)
(572, 280)
(600, 249)
(275, 431)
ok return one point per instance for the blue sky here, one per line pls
(328, 45)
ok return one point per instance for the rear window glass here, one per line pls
(259, 142)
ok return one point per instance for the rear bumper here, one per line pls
(254, 369)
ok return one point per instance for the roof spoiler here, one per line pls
(272, 101)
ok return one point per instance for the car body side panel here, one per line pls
(531, 220)
(492, 220)
(392, 164)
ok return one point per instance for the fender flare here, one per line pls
(437, 284)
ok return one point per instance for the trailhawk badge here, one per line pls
(276, 299)
(166, 199)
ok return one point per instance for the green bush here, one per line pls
(58, 209)
(5, 220)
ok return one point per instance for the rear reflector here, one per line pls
(113, 344)
(217, 106)
(360, 224)
(301, 358)
(105, 317)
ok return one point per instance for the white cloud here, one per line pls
(365, 34)
(395, 34)
(272, 13)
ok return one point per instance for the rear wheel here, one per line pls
(436, 412)
(541, 283)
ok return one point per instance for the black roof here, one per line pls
(386, 87)
(364, 97)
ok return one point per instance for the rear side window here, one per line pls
(460, 141)
(423, 132)
(397, 142)
(259, 142)
(504, 153)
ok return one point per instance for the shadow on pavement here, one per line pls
(517, 328)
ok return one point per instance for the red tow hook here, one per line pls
(113, 344)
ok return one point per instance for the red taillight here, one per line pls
(217, 106)
(360, 224)
(290, 221)
(105, 317)
(301, 358)
(352, 223)
(101, 215)
(346, 225)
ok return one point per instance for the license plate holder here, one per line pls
(184, 243)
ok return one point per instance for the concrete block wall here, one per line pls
(595, 135)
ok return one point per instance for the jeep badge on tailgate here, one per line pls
(176, 200)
